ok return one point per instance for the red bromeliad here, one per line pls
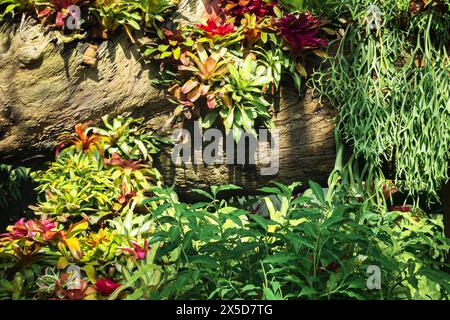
(300, 33)
(237, 8)
(138, 252)
(30, 229)
(212, 28)
(116, 160)
(106, 286)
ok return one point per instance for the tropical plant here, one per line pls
(300, 32)
(13, 186)
(12, 7)
(113, 14)
(153, 13)
(169, 47)
(390, 90)
(204, 71)
(141, 276)
(83, 140)
(243, 97)
(129, 138)
(75, 185)
(316, 245)
(212, 28)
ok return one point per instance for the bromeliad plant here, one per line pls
(76, 184)
(196, 61)
(103, 17)
(129, 138)
(205, 72)
(83, 141)
(243, 96)
(91, 215)
(97, 171)
(154, 13)
(113, 14)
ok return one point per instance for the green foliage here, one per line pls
(153, 12)
(391, 89)
(143, 277)
(243, 96)
(317, 245)
(12, 182)
(312, 247)
(76, 185)
(145, 15)
(281, 245)
(112, 14)
(130, 139)
(13, 7)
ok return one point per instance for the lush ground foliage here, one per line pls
(103, 209)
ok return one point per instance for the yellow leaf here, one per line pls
(91, 294)
(176, 53)
(62, 263)
(90, 272)
(74, 247)
(77, 228)
(331, 32)
(301, 69)
(320, 53)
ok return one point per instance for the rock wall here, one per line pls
(45, 89)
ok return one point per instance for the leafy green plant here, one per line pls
(12, 7)
(243, 97)
(12, 182)
(316, 245)
(129, 138)
(154, 12)
(142, 276)
(167, 48)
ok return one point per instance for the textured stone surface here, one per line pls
(45, 89)
(307, 150)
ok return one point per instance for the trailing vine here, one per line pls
(391, 87)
